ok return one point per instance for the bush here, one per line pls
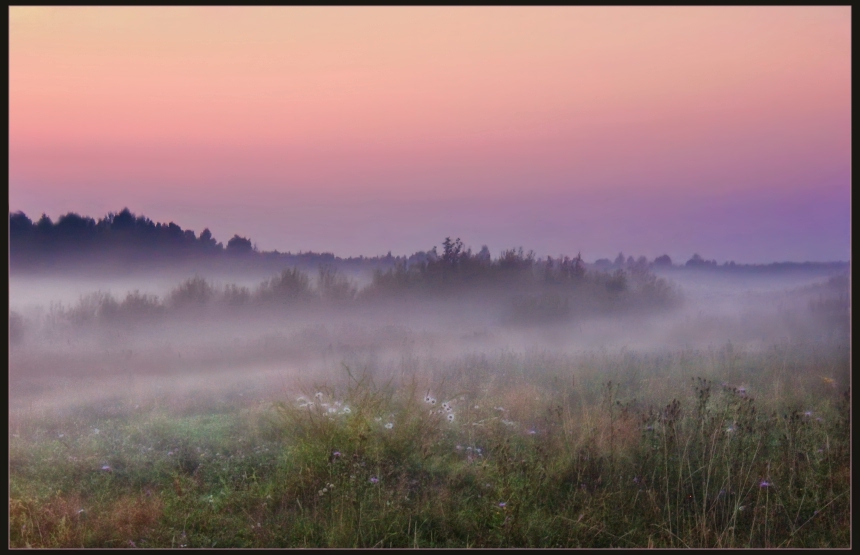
(333, 285)
(289, 286)
(195, 291)
(235, 295)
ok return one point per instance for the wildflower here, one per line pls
(374, 480)
(477, 407)
(80, 511)
(170, 453)
(389, 425)
(764, 484)
(332, 410)
(131, 543)
(500, 408)
(377, 419)
(61, 436)
(96, 431)
(532, 432)
(636, 479)
(448, 408)
(106, 468)
(730, 429)
(459, 447)
(319, 395)
(451, 417)
(336, 454)
(432, 401)
(503, 504)
(742, 390)
(427, 398)
(807, 413)
(346, 410)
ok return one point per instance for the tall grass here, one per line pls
(715, 448)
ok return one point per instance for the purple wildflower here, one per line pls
(374, 480)
(503, 504)
(764, 484)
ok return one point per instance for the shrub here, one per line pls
(289, 286)
(333, 285)
(194, 291)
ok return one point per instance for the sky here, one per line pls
(722, 131)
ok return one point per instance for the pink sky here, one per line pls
(718, 130)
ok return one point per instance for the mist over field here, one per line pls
(314, 358)
(66, 332)
(112, 372)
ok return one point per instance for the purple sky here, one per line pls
(722, 131)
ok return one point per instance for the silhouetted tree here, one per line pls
(124, 221)
(663, 260)
(45, 225)
(239, 245)
(452, 251)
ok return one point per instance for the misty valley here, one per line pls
(395, 314)
(445, 400)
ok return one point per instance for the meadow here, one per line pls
(677, 426)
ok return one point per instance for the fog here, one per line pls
(59, 357)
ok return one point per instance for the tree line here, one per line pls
(73, 235)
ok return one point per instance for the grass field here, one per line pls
(720, 447)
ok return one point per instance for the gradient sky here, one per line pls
(358, 130)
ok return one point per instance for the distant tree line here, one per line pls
(74, 236)
(116, 231)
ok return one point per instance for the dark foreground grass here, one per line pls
(693, 449)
